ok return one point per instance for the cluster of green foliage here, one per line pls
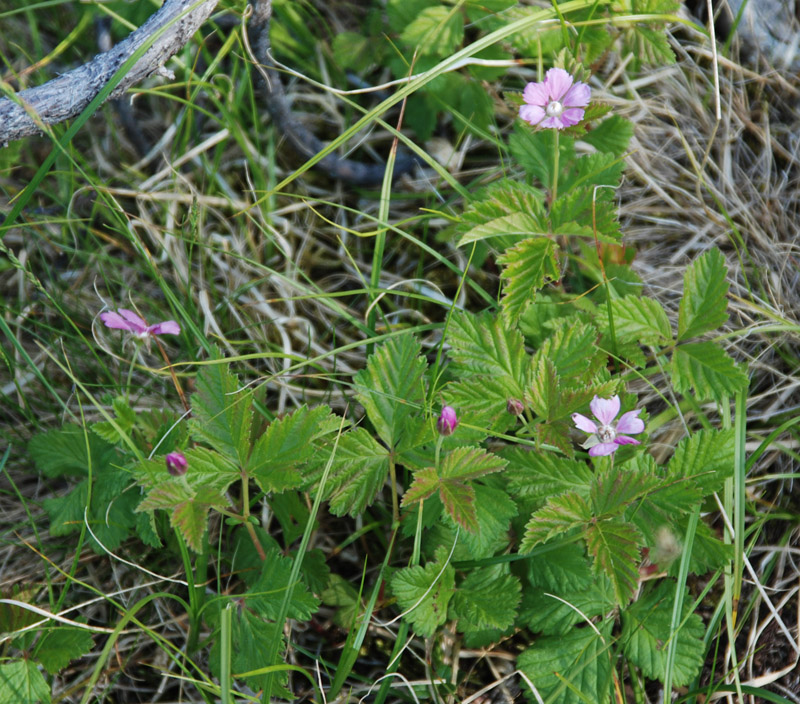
(513, 527)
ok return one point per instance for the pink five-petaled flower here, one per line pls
(447, 422)
(556, 101)
(605, 438)
(124, 319)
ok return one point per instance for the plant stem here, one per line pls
(172, 373)
(554, 189)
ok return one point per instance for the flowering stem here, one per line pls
(172, 373)
(554, 189)
(393, 477)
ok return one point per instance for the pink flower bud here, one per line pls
(514, 406)
(176, 464)
(447, 422)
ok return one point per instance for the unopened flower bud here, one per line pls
(514, 406)
(447, 422)
(176, 464)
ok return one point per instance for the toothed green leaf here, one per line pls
(427, 592)
(706, 369)
(527, 266)
(703, 306)
(616, 549)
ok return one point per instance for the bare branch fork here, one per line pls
(68, 95)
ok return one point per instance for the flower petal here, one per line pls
(604, 448)
(558, 82)
(532, 114)
(535, 94)
(578, 96)
(605, 409)
(114, 320)
(625, 440)
(168, 327)
(583, 423)
(571, 116)
(137, 323)
(553, 122)
(629, 423)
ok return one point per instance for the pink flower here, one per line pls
(605, 439)
(124, 319)
(555, 102)
(447, 422)
(176, 463)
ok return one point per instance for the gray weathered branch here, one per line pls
(68, 95)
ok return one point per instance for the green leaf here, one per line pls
(513, 224)
(541, 475)
(598, 169)
(353, 50)
(615, 547)
(205, 468)
(572, 349)
(586, 212)
(527, 266)
(456, 469)
(706, 368)
(544, 393)
(344, 596)
(266, 594)
(22, 683)
(560, 515)
(703, 306)
(61, 645)
(541, 612)
(616, 489)
(534, 150)
(69, 451)
(487, 598)
(402, 12)
(359, 470)
(426, 591)
(494, 511)
(125, 419)
(707, 457)
(646, 631)
(573, 668)
(287, 443)
(222, 413)
(391, 387)
(188, 508)
(636, 319)
(565, 569)
(436, 30)
(612, 135)
(482, 345)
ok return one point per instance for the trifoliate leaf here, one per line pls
(391, 387)
(612, 135)
(706, 456)
(69, 451)
(222, 413)
(703, 306)
(426, 591)
(61, 645)
(636, 319)
(646, 631)
(542, 475)
(527, 267)
(560, 515)
(708, 370)
(359, 470)
(616, 549)
(436, 30)
(487, 598)
(287, 443)
(22, 683)
(483, 345)
(570, 669)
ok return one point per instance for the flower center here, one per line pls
(605, 433)
(554, 109)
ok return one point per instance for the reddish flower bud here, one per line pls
(514, 406)
(447, 422)
(176, 464)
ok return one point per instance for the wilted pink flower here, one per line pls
(556, 101)
(176, 463)
(124, 319)
(447, 422)
(604, 438)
